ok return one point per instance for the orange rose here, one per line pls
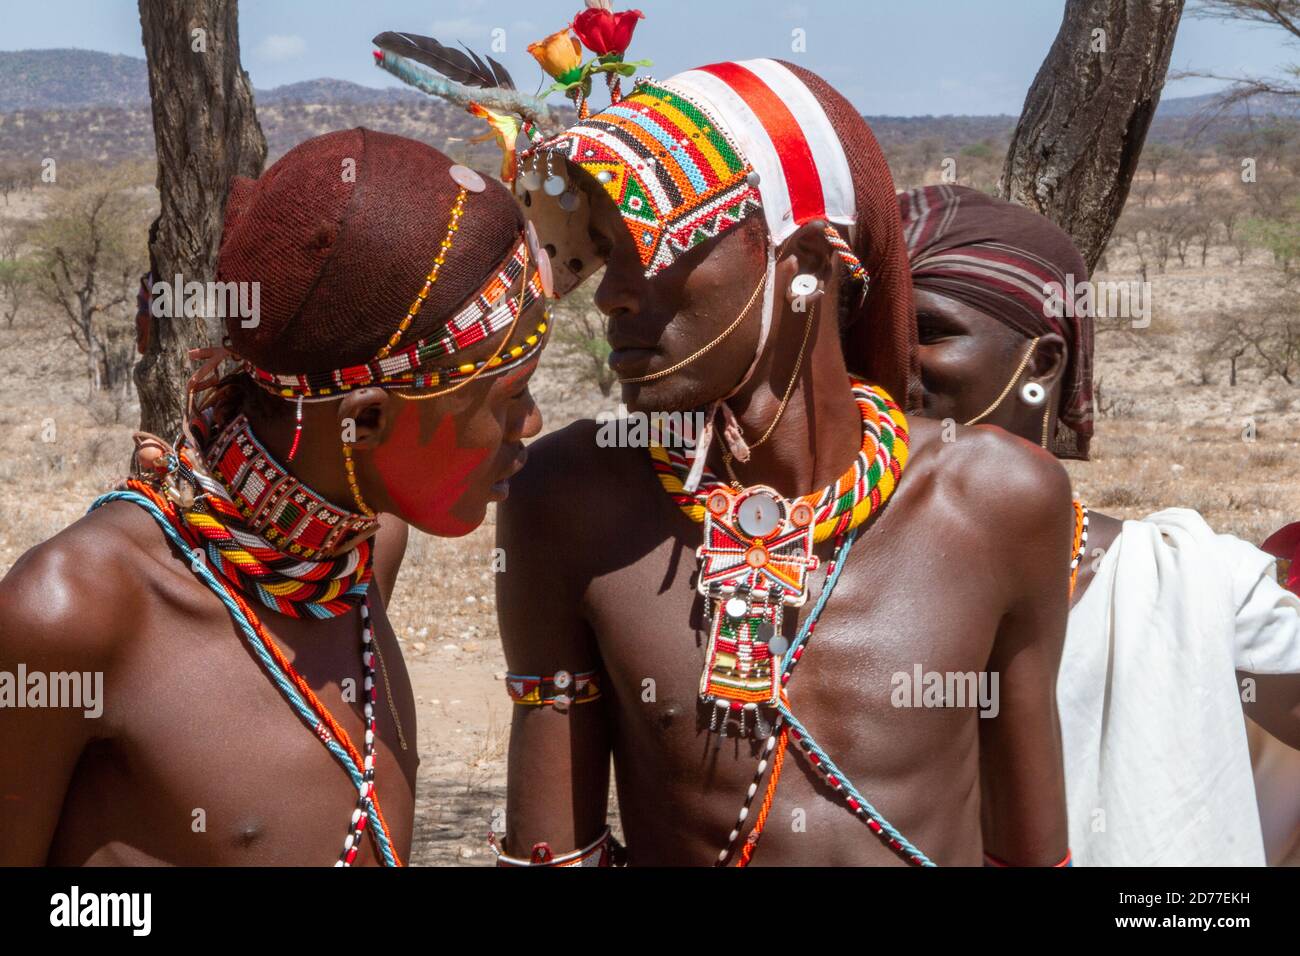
(559, 54)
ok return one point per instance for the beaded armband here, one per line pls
(605, 851)
(991, 860)
(560, 690)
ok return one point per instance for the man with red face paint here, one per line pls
(746, 221)
(227, 595)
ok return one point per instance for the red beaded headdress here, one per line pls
(370, 251)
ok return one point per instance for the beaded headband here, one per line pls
(489, 312)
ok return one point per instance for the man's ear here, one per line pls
(806, 252)
(364, 416)
(1048, 365)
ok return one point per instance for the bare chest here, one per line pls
(203, 760)
(891, 683)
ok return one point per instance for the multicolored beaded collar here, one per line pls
(860, 491)
(309, 582)
(275, 504)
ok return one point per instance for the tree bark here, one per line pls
(206, 132)
(1076, 146)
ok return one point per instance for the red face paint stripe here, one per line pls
(805, 185)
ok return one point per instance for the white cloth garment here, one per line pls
(1157, 767)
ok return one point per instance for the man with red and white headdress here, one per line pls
(659, 594)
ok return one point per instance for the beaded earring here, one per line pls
(350, 467)
(297, 431)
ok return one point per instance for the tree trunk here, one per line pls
(206, 132)
(1076, 146)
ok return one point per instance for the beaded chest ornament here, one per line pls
(754, 563)
(757, 553)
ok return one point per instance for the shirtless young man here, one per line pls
(198, 757)
(1170, 621)
(708, 197)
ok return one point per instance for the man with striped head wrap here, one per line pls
(748, 229)
(985, 258)
(1166, 614)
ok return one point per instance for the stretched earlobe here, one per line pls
(802, 286)
(364, 417)
(811, 255)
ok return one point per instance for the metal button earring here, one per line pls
(1032, 393)
(803, 284)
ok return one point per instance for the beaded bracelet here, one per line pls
(991, 860)
(559, 690)
(605, 851)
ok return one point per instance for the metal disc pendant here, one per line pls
(554, 185)
(778, 645)
(765, 632)
(466, 178)
(759, 515)
(531, 180)
(736, 607)
(568, 201)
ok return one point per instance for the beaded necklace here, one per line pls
(245, 562)
(264, 530)
(757, 553)
(1080, 544)
(857, 494)
(275, 504)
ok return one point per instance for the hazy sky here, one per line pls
(892, 57)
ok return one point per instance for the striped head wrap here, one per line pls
(689, 158)
(999, 258)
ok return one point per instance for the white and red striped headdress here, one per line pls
(690, 157)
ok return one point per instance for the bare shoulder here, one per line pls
(567, 471)
(995, 476)
(76, 597)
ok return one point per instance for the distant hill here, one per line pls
(67, 79)
(1271, 104)
(338, 92)
(80, 79)
(84, 79)
(85, 105)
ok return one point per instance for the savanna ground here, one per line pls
(1172, 433)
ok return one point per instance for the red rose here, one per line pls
(1285, 546)
(603, 31)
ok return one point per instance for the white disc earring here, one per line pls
(803, 284)
(1032, 393)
